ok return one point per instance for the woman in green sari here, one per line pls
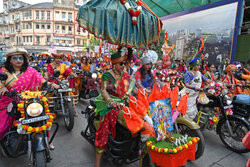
(115, 85)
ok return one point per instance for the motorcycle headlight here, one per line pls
(34, 109)
(229, 102)
(94, 76)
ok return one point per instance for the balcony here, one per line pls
(18, 30)
(70, 33)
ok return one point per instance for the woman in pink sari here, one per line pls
(21, 77)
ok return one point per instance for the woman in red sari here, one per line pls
(231, 82)
(21, 77)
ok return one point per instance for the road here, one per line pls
(72, 150)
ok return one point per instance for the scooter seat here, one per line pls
(242, 99)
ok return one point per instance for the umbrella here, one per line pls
(111, 21)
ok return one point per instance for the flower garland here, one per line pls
(174, 150)
(133, 14)
(26, 129)
(29, 94)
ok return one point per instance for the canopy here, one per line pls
(111, 21)
(166, 7)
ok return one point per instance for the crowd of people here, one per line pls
(119, 71)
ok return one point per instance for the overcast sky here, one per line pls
(27, 1)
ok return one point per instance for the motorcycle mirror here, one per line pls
(44, 86)
(56, 73)
(3, 76)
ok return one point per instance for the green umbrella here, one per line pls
(111, 21)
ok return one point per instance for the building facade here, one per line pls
(43, 27)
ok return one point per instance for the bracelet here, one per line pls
(110, 101)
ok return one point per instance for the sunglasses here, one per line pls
(18, 58)
(122, 63)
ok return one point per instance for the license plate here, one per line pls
(227, 107)
(37, 119)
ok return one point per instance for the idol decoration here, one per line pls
(166, 51)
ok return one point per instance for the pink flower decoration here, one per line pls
(211, 122)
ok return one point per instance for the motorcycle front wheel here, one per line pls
(239, 129)
(200, 147)
(69, 115)
(40, 159)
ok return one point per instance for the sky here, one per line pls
(211, 20)
(27, 1)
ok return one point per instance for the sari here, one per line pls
(116, 90)
(233, 89)
(193, 81)
(65, 71)
(28, 80)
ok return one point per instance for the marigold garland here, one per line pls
(29, 129)
(133, 14)
(194, 140)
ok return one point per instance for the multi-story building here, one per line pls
(43, 27)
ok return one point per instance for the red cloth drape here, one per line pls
(173, 160)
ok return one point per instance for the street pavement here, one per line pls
(72, 150)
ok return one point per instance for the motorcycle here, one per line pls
(218, 114)
(30, 134)
(90, 82)
(125, 148)
(63, 101)
(241, 105)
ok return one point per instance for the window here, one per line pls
(30, 25)
(83, 30)
(63, 29)
(70, 42)
(57, 41)
(23, 26)
(48, 26)
(48, 39)
(48, 15)
(42, 15)
(78, 42)
(70, 16)
(27, 39)
(38, 39)
(30, 38)
(37, 26)
(63, 15)
(23, 15)
(57, 15)
(70, 29)
(12, 17)
(43, 26)
(57, 27)
(24, 39)
(30, 14)
(27, 26)
(17, 16)
(37, 14)
(64, 41)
